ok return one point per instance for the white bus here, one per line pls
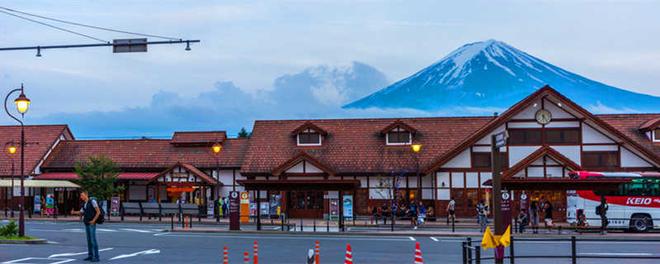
(635, 205)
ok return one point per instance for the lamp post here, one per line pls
(416, 148)
(216, 148)
(11, 150)
(22, 105)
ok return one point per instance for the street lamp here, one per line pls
(216, 148)
(11, 150)
(22, 106)
(416, 148)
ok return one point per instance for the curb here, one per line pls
(30, 242)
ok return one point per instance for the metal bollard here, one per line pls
(469, 243)
(512, 255)
(171, 222)
(327, 225)
(301, 224)
(453, 224)
(559, 230)
(464, 247)
(477, 254)
(573, 250)
(314, 224)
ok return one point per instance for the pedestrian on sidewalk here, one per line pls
(91, 213)
(534, 216)
(482, 215)
(523, 221)
(451, 210)
(412, 210)
(547, 210)
(421, 214)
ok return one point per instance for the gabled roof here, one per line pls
(539, 153)
(629, 124)
(39, 138)
(309, 125)
(520, 106)
(198, 138)
(303, 156)
(356, 145)
(400, 124)
(650, 124)
(155, 154)
(190, 168)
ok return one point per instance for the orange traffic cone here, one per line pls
(349, 255)
(317, 253)
(225, 255)
(418, 254)
(246, 257)
(255, 256)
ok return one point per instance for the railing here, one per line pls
(472, 253)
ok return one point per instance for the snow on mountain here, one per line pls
(492, 74)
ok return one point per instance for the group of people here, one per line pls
(531, 216)
(416, 211)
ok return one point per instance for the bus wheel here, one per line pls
(641, 223)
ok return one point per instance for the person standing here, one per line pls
(482, 215)
(451, 210)
(601, 210)
(91, 212)
(547, 211)
(421, 215)
(534, 216)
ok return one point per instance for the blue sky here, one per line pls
(295, 59)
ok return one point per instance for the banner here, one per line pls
(114, 206)
(234, 213)
(37, 204)
(245, 207)
(348, 206)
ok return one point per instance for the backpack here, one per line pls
(101, 218)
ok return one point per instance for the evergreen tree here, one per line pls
(243, 133)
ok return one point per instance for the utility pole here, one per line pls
(501, 198)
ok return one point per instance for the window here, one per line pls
(656, 135)
(600, 159)
(481, 160)
(398, 136)
(309, 137)
(638, 187)
(569, 136)
(522, 137)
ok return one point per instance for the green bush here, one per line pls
(9, 230)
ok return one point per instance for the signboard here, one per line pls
(50, 204)
(348, 206)
(234, 213)
(114, 205)
(37, 204)
(524, 202)
(334, 208)
(245, 207)
(210, 209)
(275, 204)
(129, 45)
(500, 139)
(506, 208)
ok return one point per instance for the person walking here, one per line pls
(91, 213)
(451, 210)
(547, 211)
(421, 215)
(534, 216)
(482, 215)
(523, 221)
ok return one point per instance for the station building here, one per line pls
(303, 165)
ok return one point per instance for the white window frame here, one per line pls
(653, 135)
(309, 144)
(397, 129)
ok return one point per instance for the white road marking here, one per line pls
(144, 252)
(106, 230)
(412, 238)
(136, 230)
(617, 254)
(75, 254)
(434, 239)
(39, 260)
(278, 237)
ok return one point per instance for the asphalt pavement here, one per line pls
(149, 243)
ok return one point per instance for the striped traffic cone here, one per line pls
(246, 257)
(225, 255)
(349, 255)
(418, 254)
(317, 253)
(255, 254)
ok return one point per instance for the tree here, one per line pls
(98, 176)
(243, 133)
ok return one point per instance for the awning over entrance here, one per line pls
(39, 184)
(132, 176)
(560, 184)
(297, 185)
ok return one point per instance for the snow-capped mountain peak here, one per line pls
(491, 74)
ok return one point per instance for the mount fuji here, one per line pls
(494, 75)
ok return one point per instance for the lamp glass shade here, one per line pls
(11, 149)
(216, 148)
(416, 148)
(22, 103)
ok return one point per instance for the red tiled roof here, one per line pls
(141, 176)
(400, 124)
(198, 138)
(39, 138)
(311, 126)
(629, 125)
(145, 154)
(356, 145)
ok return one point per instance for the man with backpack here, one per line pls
(92, 215)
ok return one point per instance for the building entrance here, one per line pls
(305, 204)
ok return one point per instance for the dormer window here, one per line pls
(309, 137)
(398, 136)
(656, 135)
